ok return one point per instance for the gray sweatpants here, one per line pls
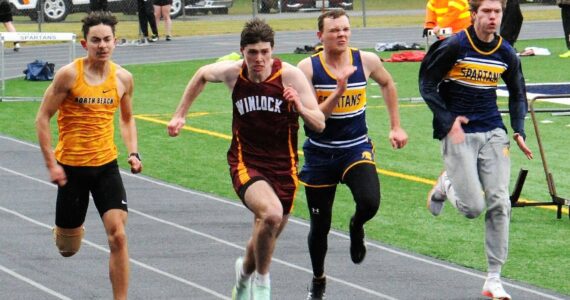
(479, 172)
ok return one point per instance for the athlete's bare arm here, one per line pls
(374, 69)
(306, 67)
(224, 71)
(53, 97)
(127, 121)
(299, 91)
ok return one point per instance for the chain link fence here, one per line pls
(48, 11)
(58, 11)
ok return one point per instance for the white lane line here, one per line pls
(33, 283)
(133, 261)
(285, 263)
(339, 234)
(291, 220)
(184, 228)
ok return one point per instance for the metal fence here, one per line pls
(46, 11)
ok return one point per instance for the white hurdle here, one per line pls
(30, 37)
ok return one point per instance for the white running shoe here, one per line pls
(260, 292)
(241, 290)
(436, 197)
(493, 288)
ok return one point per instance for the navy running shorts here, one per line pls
(325, 167)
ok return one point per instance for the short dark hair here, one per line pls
(98, 17)
(475, 4)
(256, 30)
(333, 14)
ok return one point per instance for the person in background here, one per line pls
(474, 141)
(7, 20)
(512, 22)
(162, 10)
(146, 18)
(565, 11)
(452, 14)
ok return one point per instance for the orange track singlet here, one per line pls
(85, 121)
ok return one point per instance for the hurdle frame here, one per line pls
(556, 200)
(30, 37)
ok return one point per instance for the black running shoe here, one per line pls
(317, 290)
(357, 247)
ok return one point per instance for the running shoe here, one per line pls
(357, 246)
(317, 290)
(241, 290)
(436, 197)
(565, 54)
(493, 288)
(260, 292)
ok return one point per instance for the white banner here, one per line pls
(36, 36)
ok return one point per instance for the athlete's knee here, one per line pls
(367, 204)
(499, 206)
(117, 240)
(68, 243)
(473, 210)
(272, 219)
(319, 230)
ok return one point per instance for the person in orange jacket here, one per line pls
(446, 13)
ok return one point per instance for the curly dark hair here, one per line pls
(98, 17)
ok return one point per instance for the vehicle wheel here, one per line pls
(220, 11)
(176, 9)
(56, 10)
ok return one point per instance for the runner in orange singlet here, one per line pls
(86, 93)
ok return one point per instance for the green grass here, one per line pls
(538, 244)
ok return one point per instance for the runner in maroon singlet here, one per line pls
(264, 144)
(268, 97)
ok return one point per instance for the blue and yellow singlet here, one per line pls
(346, 126)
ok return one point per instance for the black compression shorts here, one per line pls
(103, 182)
